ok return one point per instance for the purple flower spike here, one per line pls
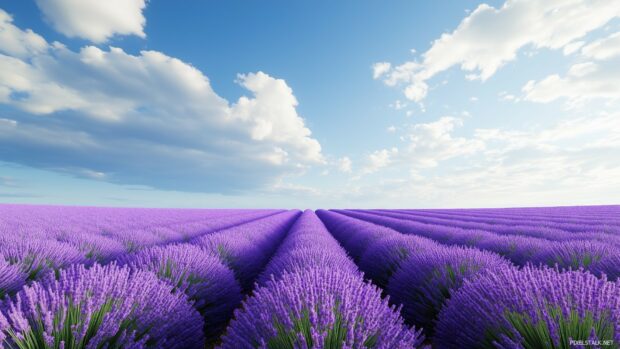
(104, 306)
(202, 276)
(36, 257)
(531, 308)
(318, 308)
(382, 259)
(12, 278)
(428, 278)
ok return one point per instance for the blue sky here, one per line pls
(309, 104)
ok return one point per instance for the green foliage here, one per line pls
(537, 334)
(225, 255)
(336, 335)
(66, 322)
(168, 271)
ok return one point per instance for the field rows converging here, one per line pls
(517, 225)
(595, 256)
(87, 277)
(572, 223)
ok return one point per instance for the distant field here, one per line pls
(86, 277)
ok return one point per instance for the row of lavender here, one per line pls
(312, 295)
(465, 297)
(175, 291)
(182, 295)
(166, 294)
(597, 252)
(37, 239)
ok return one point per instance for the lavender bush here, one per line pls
(206, 281)
(426, 280)
(531, 308)
(318, 308)
(314, 297)
(101, 307)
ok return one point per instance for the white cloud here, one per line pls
(402, 73)
(574, 161)
(416, 91)
(115, 116)
(434, 142)
(391, 129)
(95, 20)
(295, 190)
(378, 160)
(603, 48)
(380, 68)
(583, 82)
(345, 164)
(8, 122)
(490, 37)
(427, 145)
(17, 42)
(505, 96)
(572, 47)
(273, 115)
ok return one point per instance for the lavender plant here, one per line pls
(532, 308)
(100, 307)
(318, 308)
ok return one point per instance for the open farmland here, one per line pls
(86, 277)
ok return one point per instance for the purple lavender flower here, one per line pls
(307, 245)
(207, 282)
(104, 306)
(35, 257)
(301, 259)
(95, 247)
(608, 265)
(530, 308)
(355, 235)
(246, 248)
(428, 278)
(318, 308)
(521, 250)
(384, 257)
(11, 278)
(238, 253)
(4, 326)
(574, 254)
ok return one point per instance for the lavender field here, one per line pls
(85, 277)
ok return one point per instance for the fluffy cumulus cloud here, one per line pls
(147, 119)
(95, 20)
(489, 37)
(273, 116)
